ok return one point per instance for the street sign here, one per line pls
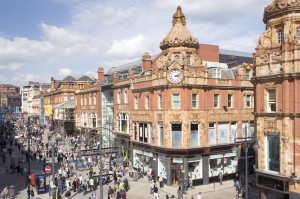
(47, 169)
(91, 152)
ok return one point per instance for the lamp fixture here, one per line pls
(234, 149)
(255, 146)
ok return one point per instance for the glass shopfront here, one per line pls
(162, 166)
(225, 164)
(142, 159)
(177, 171)
(195, 168)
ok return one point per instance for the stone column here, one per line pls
(205, 160)
(169, 174)
(185, 167)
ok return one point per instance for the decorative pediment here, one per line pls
(270, 85)
(174, 65)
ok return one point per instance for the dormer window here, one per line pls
(216, 73)
(280, 36)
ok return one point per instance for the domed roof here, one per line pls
(179, 35)
(281, 7)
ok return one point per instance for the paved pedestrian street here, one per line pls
(139, 189)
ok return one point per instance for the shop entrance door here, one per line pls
(177, 175)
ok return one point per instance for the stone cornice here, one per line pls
(278, 115)
(281, 7)
(268, 78)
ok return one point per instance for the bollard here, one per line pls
(11, 191)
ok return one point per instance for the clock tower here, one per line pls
(179, 51)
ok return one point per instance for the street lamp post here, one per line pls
(53, 189)
(101, 166)
(246, 143)
(28, 148)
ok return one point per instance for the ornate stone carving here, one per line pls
(281, 4)
(270, 126)
(159, 117)
(186, 125)
(265, 39)
(176, 116)
(222, 116)
(285, 140)
(193, 116)
(277, 56)
(270, 85)
(264, 57)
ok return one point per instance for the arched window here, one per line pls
(93, 120)
(123, 122)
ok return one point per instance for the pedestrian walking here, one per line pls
(155, 192)
(179, 193)
(93, 195)
(220, 177)
(199, 196)
(161, 182)
(191, 183)
(30, 193)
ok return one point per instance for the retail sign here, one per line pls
(229, 154)
(216, 156)
(177, 160)
(92, 152)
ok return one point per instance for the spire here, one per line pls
(179, 35)
(178, 17)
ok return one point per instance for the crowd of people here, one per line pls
(66, 153)
(46, 144)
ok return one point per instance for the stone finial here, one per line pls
(178, 17)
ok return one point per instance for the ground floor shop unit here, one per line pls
(275, 186)
(202, 165)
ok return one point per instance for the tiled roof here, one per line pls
(85, 78)
(69, 79)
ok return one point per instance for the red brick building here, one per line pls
(59, 102)
(179, 113)
(277, 107)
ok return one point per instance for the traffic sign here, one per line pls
(47, 169)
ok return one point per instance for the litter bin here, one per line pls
(32, 179)
(11, 191)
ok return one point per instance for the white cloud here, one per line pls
(24, 77)
(111, 33)
(64, 72)
(130, 47)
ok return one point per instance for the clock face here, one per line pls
(175, 76)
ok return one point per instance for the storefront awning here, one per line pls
(65, 105)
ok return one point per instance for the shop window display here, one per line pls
(230, 163)
(195, 170)
(143, 161)
(215, 165)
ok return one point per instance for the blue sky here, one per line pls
(40, 39)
